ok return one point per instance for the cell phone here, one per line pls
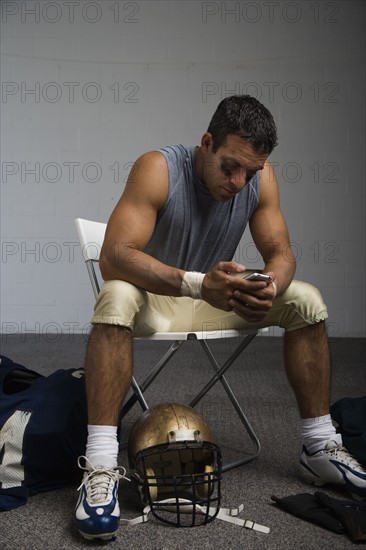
(253, 276)
(259, 277)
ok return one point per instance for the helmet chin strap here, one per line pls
(225, 514)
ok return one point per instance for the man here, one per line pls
(167, 265)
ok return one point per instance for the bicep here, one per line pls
(132, 222)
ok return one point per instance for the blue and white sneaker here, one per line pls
(334, 464)
(97, 511)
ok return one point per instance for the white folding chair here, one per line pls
(91, 236)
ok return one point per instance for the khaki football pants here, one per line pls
(121, 303)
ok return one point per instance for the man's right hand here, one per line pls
(218, 286)
(250, 300)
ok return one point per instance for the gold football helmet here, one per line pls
(176, 464)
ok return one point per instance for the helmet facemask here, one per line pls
(180, 480)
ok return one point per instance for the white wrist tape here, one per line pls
(192, 284)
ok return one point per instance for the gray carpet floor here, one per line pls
(259, 380)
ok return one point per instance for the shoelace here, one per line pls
(345, 456)
(99, 482)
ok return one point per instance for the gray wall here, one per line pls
(88, 86)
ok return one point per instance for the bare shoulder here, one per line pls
(153, 160)
(269, 190)
(148, 179)
(268, 175)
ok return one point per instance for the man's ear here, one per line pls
(206, 142)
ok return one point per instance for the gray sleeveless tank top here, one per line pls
(194, 231)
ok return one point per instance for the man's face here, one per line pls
(228, 170)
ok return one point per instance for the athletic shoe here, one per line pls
(334, 464)
(97, 511)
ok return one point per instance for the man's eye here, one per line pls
(226, 171)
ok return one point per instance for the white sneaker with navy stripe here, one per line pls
(97, 511)
(334, 464)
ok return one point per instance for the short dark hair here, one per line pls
(246, 117)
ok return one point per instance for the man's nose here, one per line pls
(238, 179)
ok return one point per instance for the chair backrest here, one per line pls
(91, 237)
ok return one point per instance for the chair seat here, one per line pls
(200, 335)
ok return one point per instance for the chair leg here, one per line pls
(140, 389)
(220, 371)
(219, 375)
(138, 395)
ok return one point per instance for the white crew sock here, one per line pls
(102, 446)
(316, 432)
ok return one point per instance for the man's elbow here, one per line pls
(105, 267)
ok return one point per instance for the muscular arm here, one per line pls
(270, 234)
(130, 227)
